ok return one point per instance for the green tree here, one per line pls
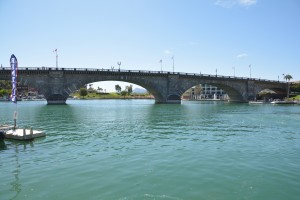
(129, 89)
(287, 78)
(118, 88)
(295, 87)
(266, 94)
(83, 92)
(4, 92)
(99, 90)
(4, 84)
(123, 93)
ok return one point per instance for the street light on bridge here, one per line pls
(56, 57)
(250, 70)
(160, 64)
(173, 62)
(119, 63)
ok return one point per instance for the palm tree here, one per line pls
(287, 78)
(266, 93)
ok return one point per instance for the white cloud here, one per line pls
(247, 2)
(242, 55)
(167, 51)
(225, 3)
(231, 3)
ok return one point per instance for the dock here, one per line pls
(23, 134)
(3, 129)
(7, 132)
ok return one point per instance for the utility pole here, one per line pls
(56, 57)
(119, 63)
(160, 65)
(250, 70)
(173, 63)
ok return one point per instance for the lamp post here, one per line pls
(250, 70)
(56, 57)
(160, 65)
(119, 63)
(173, 63)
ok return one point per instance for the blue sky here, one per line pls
(201, 35)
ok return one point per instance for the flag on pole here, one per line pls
(160, 61)
(55, 50)
(14, 75)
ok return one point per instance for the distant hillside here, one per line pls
(139, 91)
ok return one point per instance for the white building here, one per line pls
(208, 92)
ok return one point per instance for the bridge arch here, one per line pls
(234, 94)
(76, 84)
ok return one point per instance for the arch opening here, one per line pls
(268, 95)
(205, 92)
(115, 89)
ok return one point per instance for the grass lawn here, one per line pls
(111, 96)
(296, 97)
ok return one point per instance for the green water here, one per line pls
(134, 149)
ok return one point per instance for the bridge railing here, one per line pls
(138, 72)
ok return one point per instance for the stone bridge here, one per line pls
(167, 87)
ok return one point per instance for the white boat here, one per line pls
(278, 101)
(257, 102)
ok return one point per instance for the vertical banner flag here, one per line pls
(14, 70)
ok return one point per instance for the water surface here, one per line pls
(135, 149)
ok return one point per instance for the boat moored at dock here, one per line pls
(278, 101)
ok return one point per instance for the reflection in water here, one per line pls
(62, 114)
(2, 145)
(16, 185)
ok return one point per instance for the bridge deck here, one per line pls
(45, 70)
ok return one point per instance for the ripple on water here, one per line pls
(137, 150)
